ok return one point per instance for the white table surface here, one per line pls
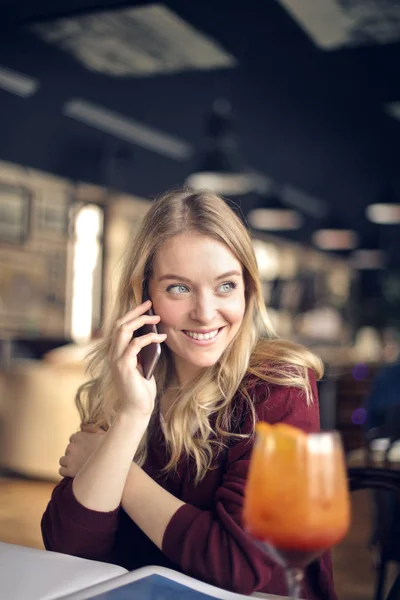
(31, 574)
(169, 574)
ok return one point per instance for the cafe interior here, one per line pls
(288, 109)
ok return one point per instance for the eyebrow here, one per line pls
(181, 278)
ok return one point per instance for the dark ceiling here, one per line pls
(308, 117)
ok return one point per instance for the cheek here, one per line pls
(234, 311)
(170, 314)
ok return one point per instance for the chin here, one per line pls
(207, 361)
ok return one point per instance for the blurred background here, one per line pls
(290, 109)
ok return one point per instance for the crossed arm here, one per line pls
(105, 476)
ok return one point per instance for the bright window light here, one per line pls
(87, 253)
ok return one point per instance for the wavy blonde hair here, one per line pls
(200, 418)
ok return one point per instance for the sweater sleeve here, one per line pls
(71, 528)
(212, 545)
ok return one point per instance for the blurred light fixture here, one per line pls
(334, 235)
(221, 168)
(272, 214)
(267, 256)
(386, 210)
(369, 255)
(322, 323)
(127, 129)
(368, 259)
(134, 41)
(368, 345)
(18, 83)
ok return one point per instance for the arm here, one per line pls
(212, 545)
(70, 528)
(84, 523)
(149, 505)
(81, 517)
(101, 481)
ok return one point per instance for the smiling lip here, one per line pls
(206, 342)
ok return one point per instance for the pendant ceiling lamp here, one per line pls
(272, 214)
(386, 209)
(334, 234)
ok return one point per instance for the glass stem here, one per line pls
(294, 577)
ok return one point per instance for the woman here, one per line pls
(164, 485)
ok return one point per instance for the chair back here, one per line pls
(385, 485)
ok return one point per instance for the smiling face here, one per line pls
(197, 288)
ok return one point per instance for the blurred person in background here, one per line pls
(383, 397)
(156, 476)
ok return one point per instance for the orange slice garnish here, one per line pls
(284, 436)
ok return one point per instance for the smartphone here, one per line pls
(149, 355)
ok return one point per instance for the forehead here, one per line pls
(190, 253)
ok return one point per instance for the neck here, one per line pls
(184, 375)
(181, 379)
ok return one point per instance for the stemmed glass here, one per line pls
(296, 499)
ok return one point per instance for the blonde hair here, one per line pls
(255, 350)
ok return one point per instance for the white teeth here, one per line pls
(202, 336)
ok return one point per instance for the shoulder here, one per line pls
(272, 403)
(277, 403)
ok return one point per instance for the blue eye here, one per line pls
(177, 288)
(227, 287)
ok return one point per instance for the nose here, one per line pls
(204, 308)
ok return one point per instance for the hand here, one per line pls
(81, 445)
(135, 392)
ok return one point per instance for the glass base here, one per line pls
(294, 577)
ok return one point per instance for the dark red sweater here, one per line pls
(204, 538)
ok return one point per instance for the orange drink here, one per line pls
(297, 499)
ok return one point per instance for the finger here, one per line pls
(131, 314)
(90, 428)
(124, 335)
(140, 309)
(145, 340)
(64, 472)
(123, 332)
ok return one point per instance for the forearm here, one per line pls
(100, 483)
(70, 528)
(149, 505)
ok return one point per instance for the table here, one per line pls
(31, 574)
